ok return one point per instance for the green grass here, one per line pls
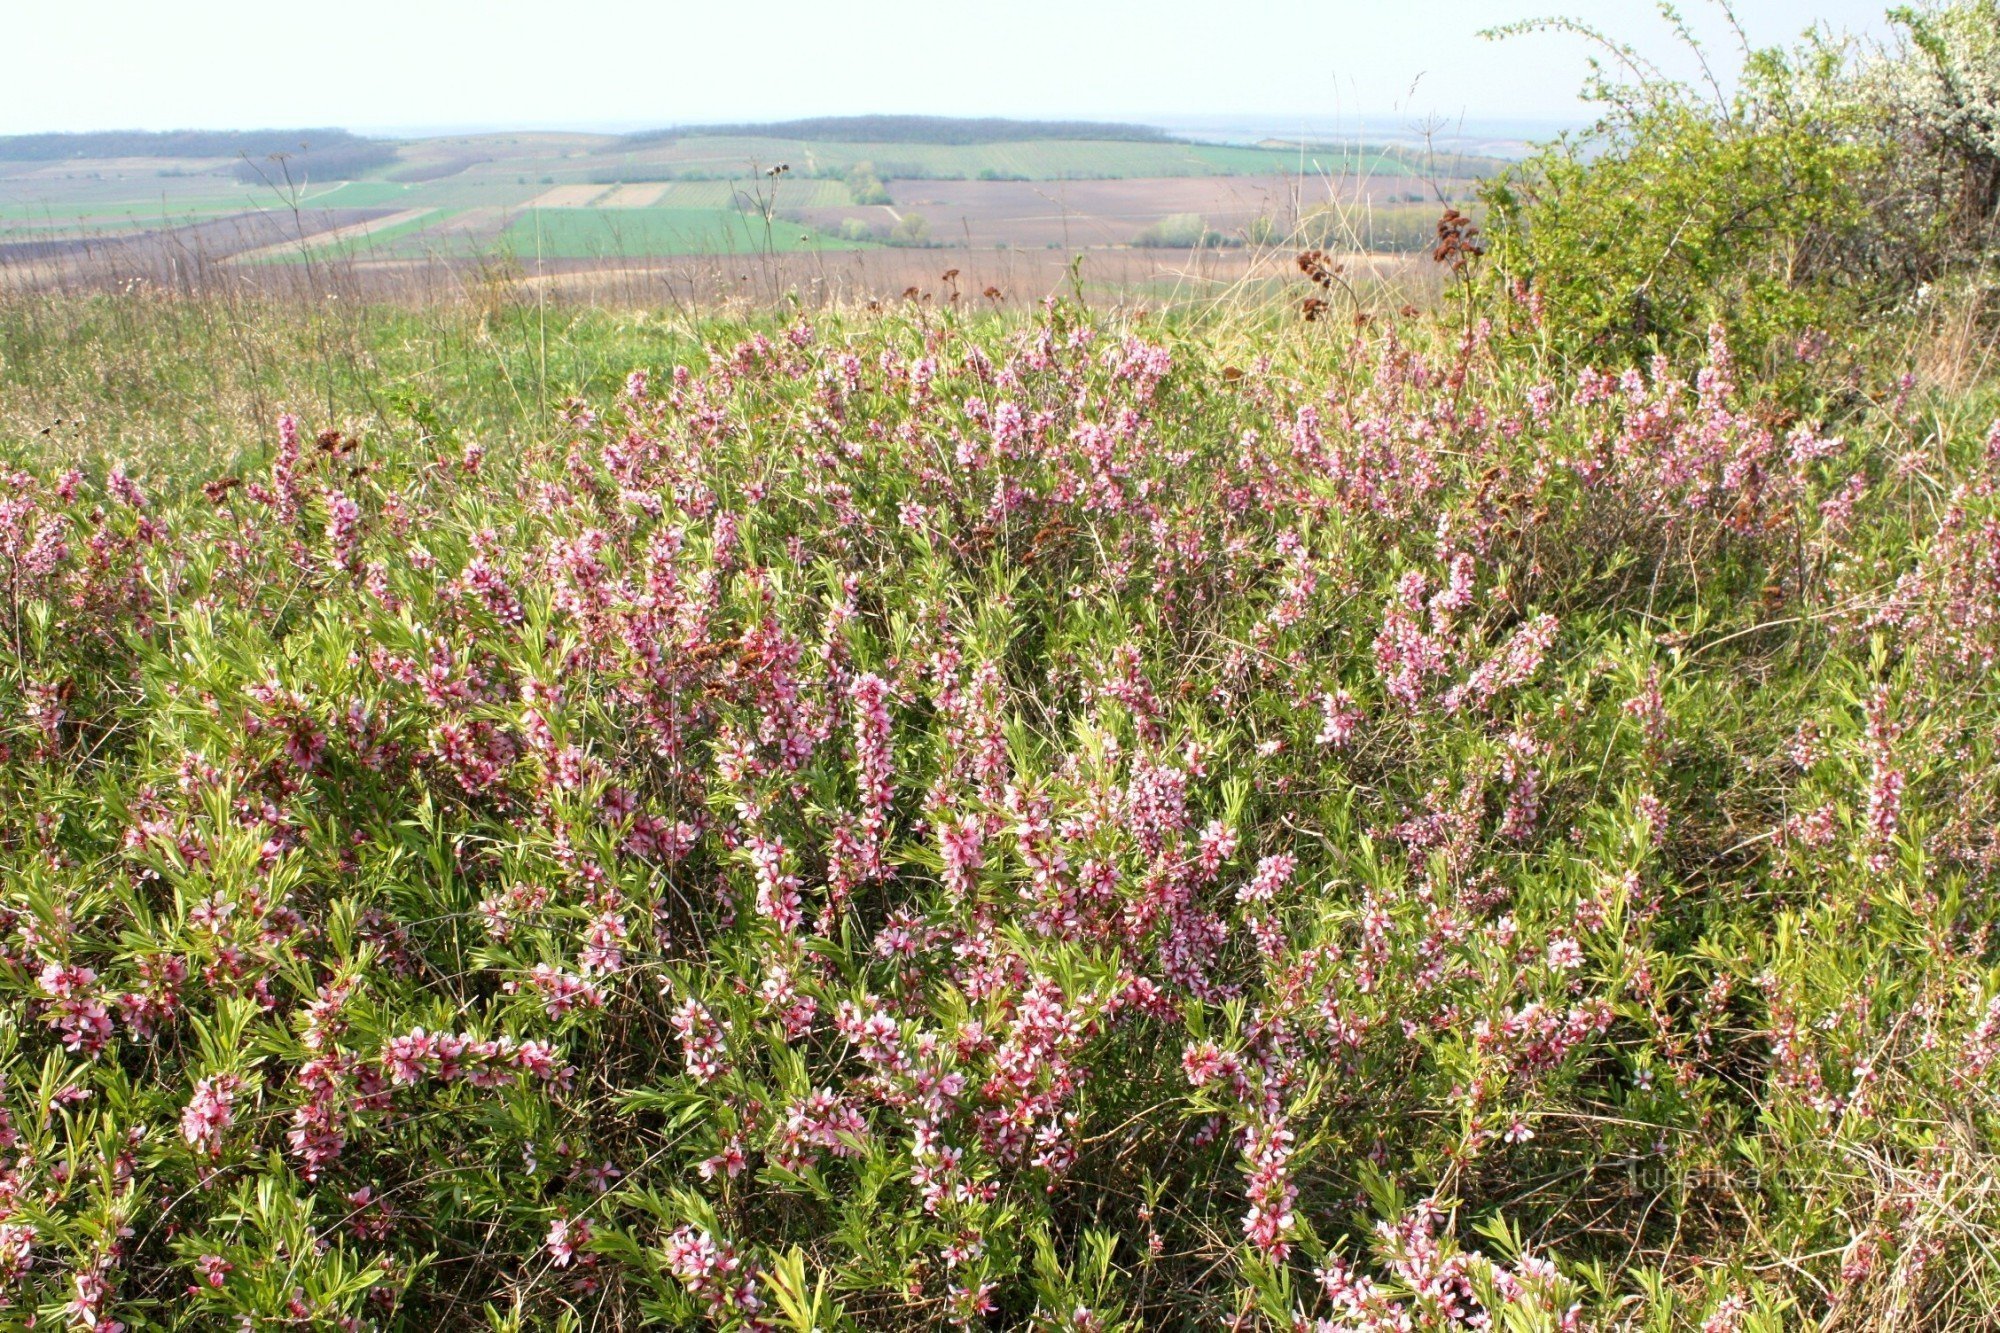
(182, 388)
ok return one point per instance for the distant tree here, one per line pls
(1177, 231)
(854, 229)
(910, 229)
(865, 186)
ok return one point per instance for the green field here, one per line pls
(136, 212)
(1047, 159)
(624, 233)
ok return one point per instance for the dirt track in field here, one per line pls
(571, 196)
(354, 231)
(633, 196)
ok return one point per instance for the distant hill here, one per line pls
(915, 129)
(182, 143)
(328, 153)
(1421, 158)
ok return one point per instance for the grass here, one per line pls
(167, 384)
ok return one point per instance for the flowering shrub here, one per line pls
(1843, 185)
(905, 825)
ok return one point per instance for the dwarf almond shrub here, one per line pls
(890, 823)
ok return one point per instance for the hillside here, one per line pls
(917, 129)
(118, 204)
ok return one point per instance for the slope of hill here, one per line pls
(832, 182)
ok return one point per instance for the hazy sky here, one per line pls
(158, 64)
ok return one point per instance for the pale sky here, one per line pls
(620, 64)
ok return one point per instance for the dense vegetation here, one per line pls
(703, 858)
(1458, 819)
(1841, 187)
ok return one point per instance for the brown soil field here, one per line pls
(169, 254)
(1019, 277)
(1077, 214)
